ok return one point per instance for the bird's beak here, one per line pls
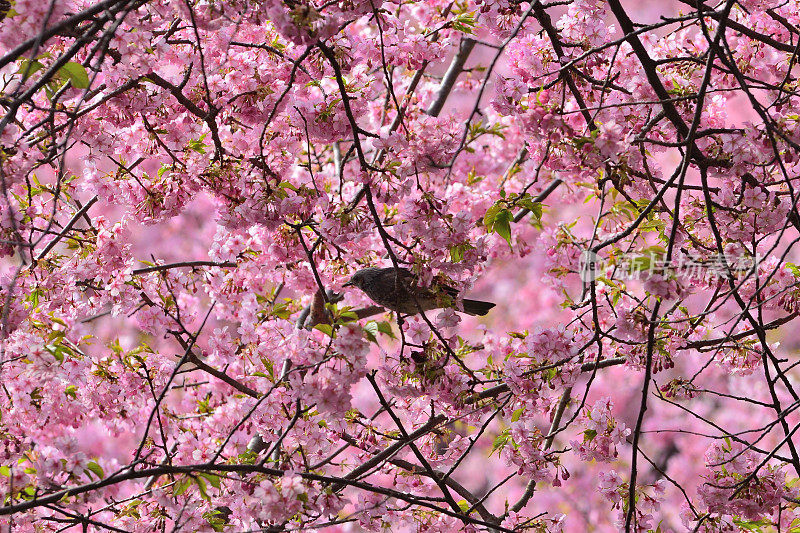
(348, 284)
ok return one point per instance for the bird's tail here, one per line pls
(477, 307)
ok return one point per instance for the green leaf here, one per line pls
(498, 220)
(373, 327)
(216, 519)
(76, 75)
(517, 414)
(641, 263)
(536, 209)
(386, 328)
(287, 185)
(327, 329)
(5, 471)
(247, 457)
(346, 316)
(201, 486)
(502, 225)
(197, 145)
(752, 525)
(371, 331)
(464, 22)
(59, 351)
(501, 440)
(28, 68)
(473, 178)
(71, 391)
(33, 297)
(491, 213)
(181, 486)
(96, 469)
(213, 479)
(457, 251)
(580, 141)
(527, 202)
(282, 310)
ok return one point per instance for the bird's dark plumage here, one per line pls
(398, 290)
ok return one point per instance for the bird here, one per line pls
(397, 289)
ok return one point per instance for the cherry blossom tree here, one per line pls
(187, 186)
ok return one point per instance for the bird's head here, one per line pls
(360, 277)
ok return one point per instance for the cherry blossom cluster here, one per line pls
(187, 187)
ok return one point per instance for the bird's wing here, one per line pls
(409, 279)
